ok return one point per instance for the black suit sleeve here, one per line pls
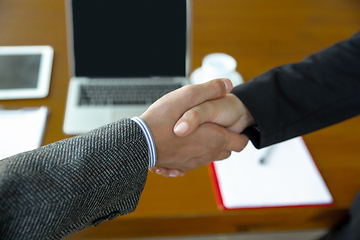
(295, 99)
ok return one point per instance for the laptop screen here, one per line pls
(129, 38)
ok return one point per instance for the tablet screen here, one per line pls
(25, 71)
(19, 71)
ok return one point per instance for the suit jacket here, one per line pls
(69, 185)
(295, 99)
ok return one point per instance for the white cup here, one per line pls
(217, 65)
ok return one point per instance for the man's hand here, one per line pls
(208, 143)
(228, 112)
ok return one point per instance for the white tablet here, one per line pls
(25, 71)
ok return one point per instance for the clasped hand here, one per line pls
(195, 125)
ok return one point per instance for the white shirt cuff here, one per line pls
(149, 139)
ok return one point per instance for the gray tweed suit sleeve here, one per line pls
(64, 187)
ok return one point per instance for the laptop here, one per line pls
(124, 55)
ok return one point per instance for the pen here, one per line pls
(265, 157)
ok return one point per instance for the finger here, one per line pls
(223, 139)
(213, 89)
(205, 112)
(226, 112)
(153, 169)
(236, 142)
(167, 172)
(176, 173)
(223, 155)
(176, 103)
(172, 173)
(158, 170)
(193, 95)
(211, 157)
(207, 159)
(210, 90)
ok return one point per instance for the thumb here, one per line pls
(194, 118)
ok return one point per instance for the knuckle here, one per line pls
(218, 88)
(193, 115)
(205, 159)
(197, 93)
(216, 137)
(193, 93)
(192, 165)
(218, 143)
(225, 155)
(240, 147)
(208, 105)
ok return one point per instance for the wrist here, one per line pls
(149, 138)
(246, 119)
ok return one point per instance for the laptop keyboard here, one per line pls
(123, 94)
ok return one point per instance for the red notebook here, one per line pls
(281, 175)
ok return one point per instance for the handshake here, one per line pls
(195, 125)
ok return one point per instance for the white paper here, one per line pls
(289, 177)
(21, 130)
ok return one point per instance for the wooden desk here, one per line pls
(260, 34)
